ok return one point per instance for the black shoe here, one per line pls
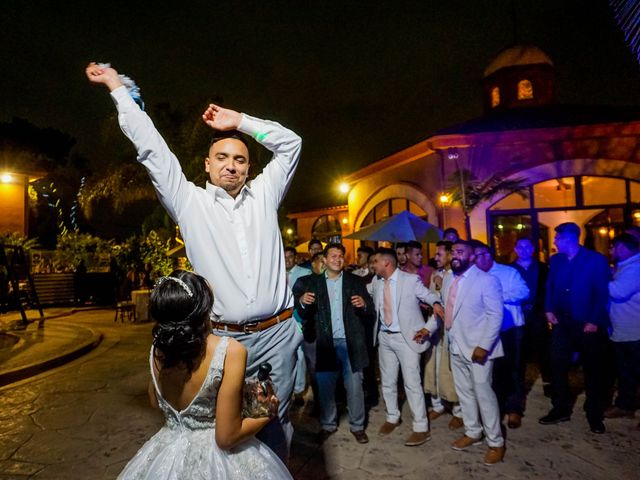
(554, 417)
(361, 436)
(597, 426)
(323, 434)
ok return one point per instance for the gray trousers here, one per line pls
(276, 345)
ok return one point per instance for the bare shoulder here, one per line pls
(236, 350)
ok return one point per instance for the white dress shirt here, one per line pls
(514, 291)
(235, 243)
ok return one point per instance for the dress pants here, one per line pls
(276, 345)
(436, 401)
(479, 404)
(352, 384)
(566, 338)
(394, 354)
(628, 366)
(508, 373)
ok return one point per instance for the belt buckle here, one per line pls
(251, 327)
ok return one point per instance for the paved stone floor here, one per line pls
(84, 420)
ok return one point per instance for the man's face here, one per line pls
(402, 256)
(289, 259)
(363, 258)
(461, 258)
(524, 249)
(228, 165)
(443, 258)
(314, 248)
(372, 264)
(484, 260)
(619, 252)
(334, 260)
(414, 256)
(563, 242)
(317, 265)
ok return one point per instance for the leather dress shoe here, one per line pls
(617, 412)
(387, 428)
(465, 442)
(417, 438)
(553, 417)
(323, 434)
(514, 420)
(434, 415)
(361, 436)
(455, 423)
(597, 426)
(494, 455)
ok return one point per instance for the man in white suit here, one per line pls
(473, 317)
(402, 336)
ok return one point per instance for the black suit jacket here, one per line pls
(316, 325)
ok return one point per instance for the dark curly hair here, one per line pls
(182, 321)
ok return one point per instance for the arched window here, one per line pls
(525, 90)
(327, 229)
(495, 97)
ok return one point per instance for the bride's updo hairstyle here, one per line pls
(180, 305)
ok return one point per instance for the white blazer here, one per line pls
(409, 292)
(477, 314)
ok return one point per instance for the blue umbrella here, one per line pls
(403, 227)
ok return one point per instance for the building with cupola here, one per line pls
(574, 163)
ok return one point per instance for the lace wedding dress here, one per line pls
(185, 447)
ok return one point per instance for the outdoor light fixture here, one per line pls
(289, 231)
(519, 226)
(6, 178)
(603, 231)
(444, 198)
(636, 214)
(343, 187)
(345, 220)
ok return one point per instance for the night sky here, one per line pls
(356, 81)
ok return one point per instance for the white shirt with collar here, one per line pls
(514, 292)
(235, 243)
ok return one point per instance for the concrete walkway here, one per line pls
(40, 346)
(87, 418)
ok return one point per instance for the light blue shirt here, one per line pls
(334, 287)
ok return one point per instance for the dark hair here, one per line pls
(389, 252)
(528, 239)
(331, 245)
(367, 250)
(568, 228)
(628, 240)
(450, 230)
(446, 244)
(466, 243)
(291, 249)
(401, 245)
(414, 244)
(182, 320)
(314, 241)
(223, 135)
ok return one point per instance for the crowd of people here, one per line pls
(461, 329)
(457, 330)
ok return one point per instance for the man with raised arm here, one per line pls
(231, 233)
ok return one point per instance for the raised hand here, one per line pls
(220, 118)
(104, 76)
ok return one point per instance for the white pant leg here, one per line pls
(436, 401)
(410, 365)
(389, 376)
(487, 402)
(463, 381)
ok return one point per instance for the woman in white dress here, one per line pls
(197, 381)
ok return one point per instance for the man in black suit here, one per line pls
(576, 309)
(334, 307)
